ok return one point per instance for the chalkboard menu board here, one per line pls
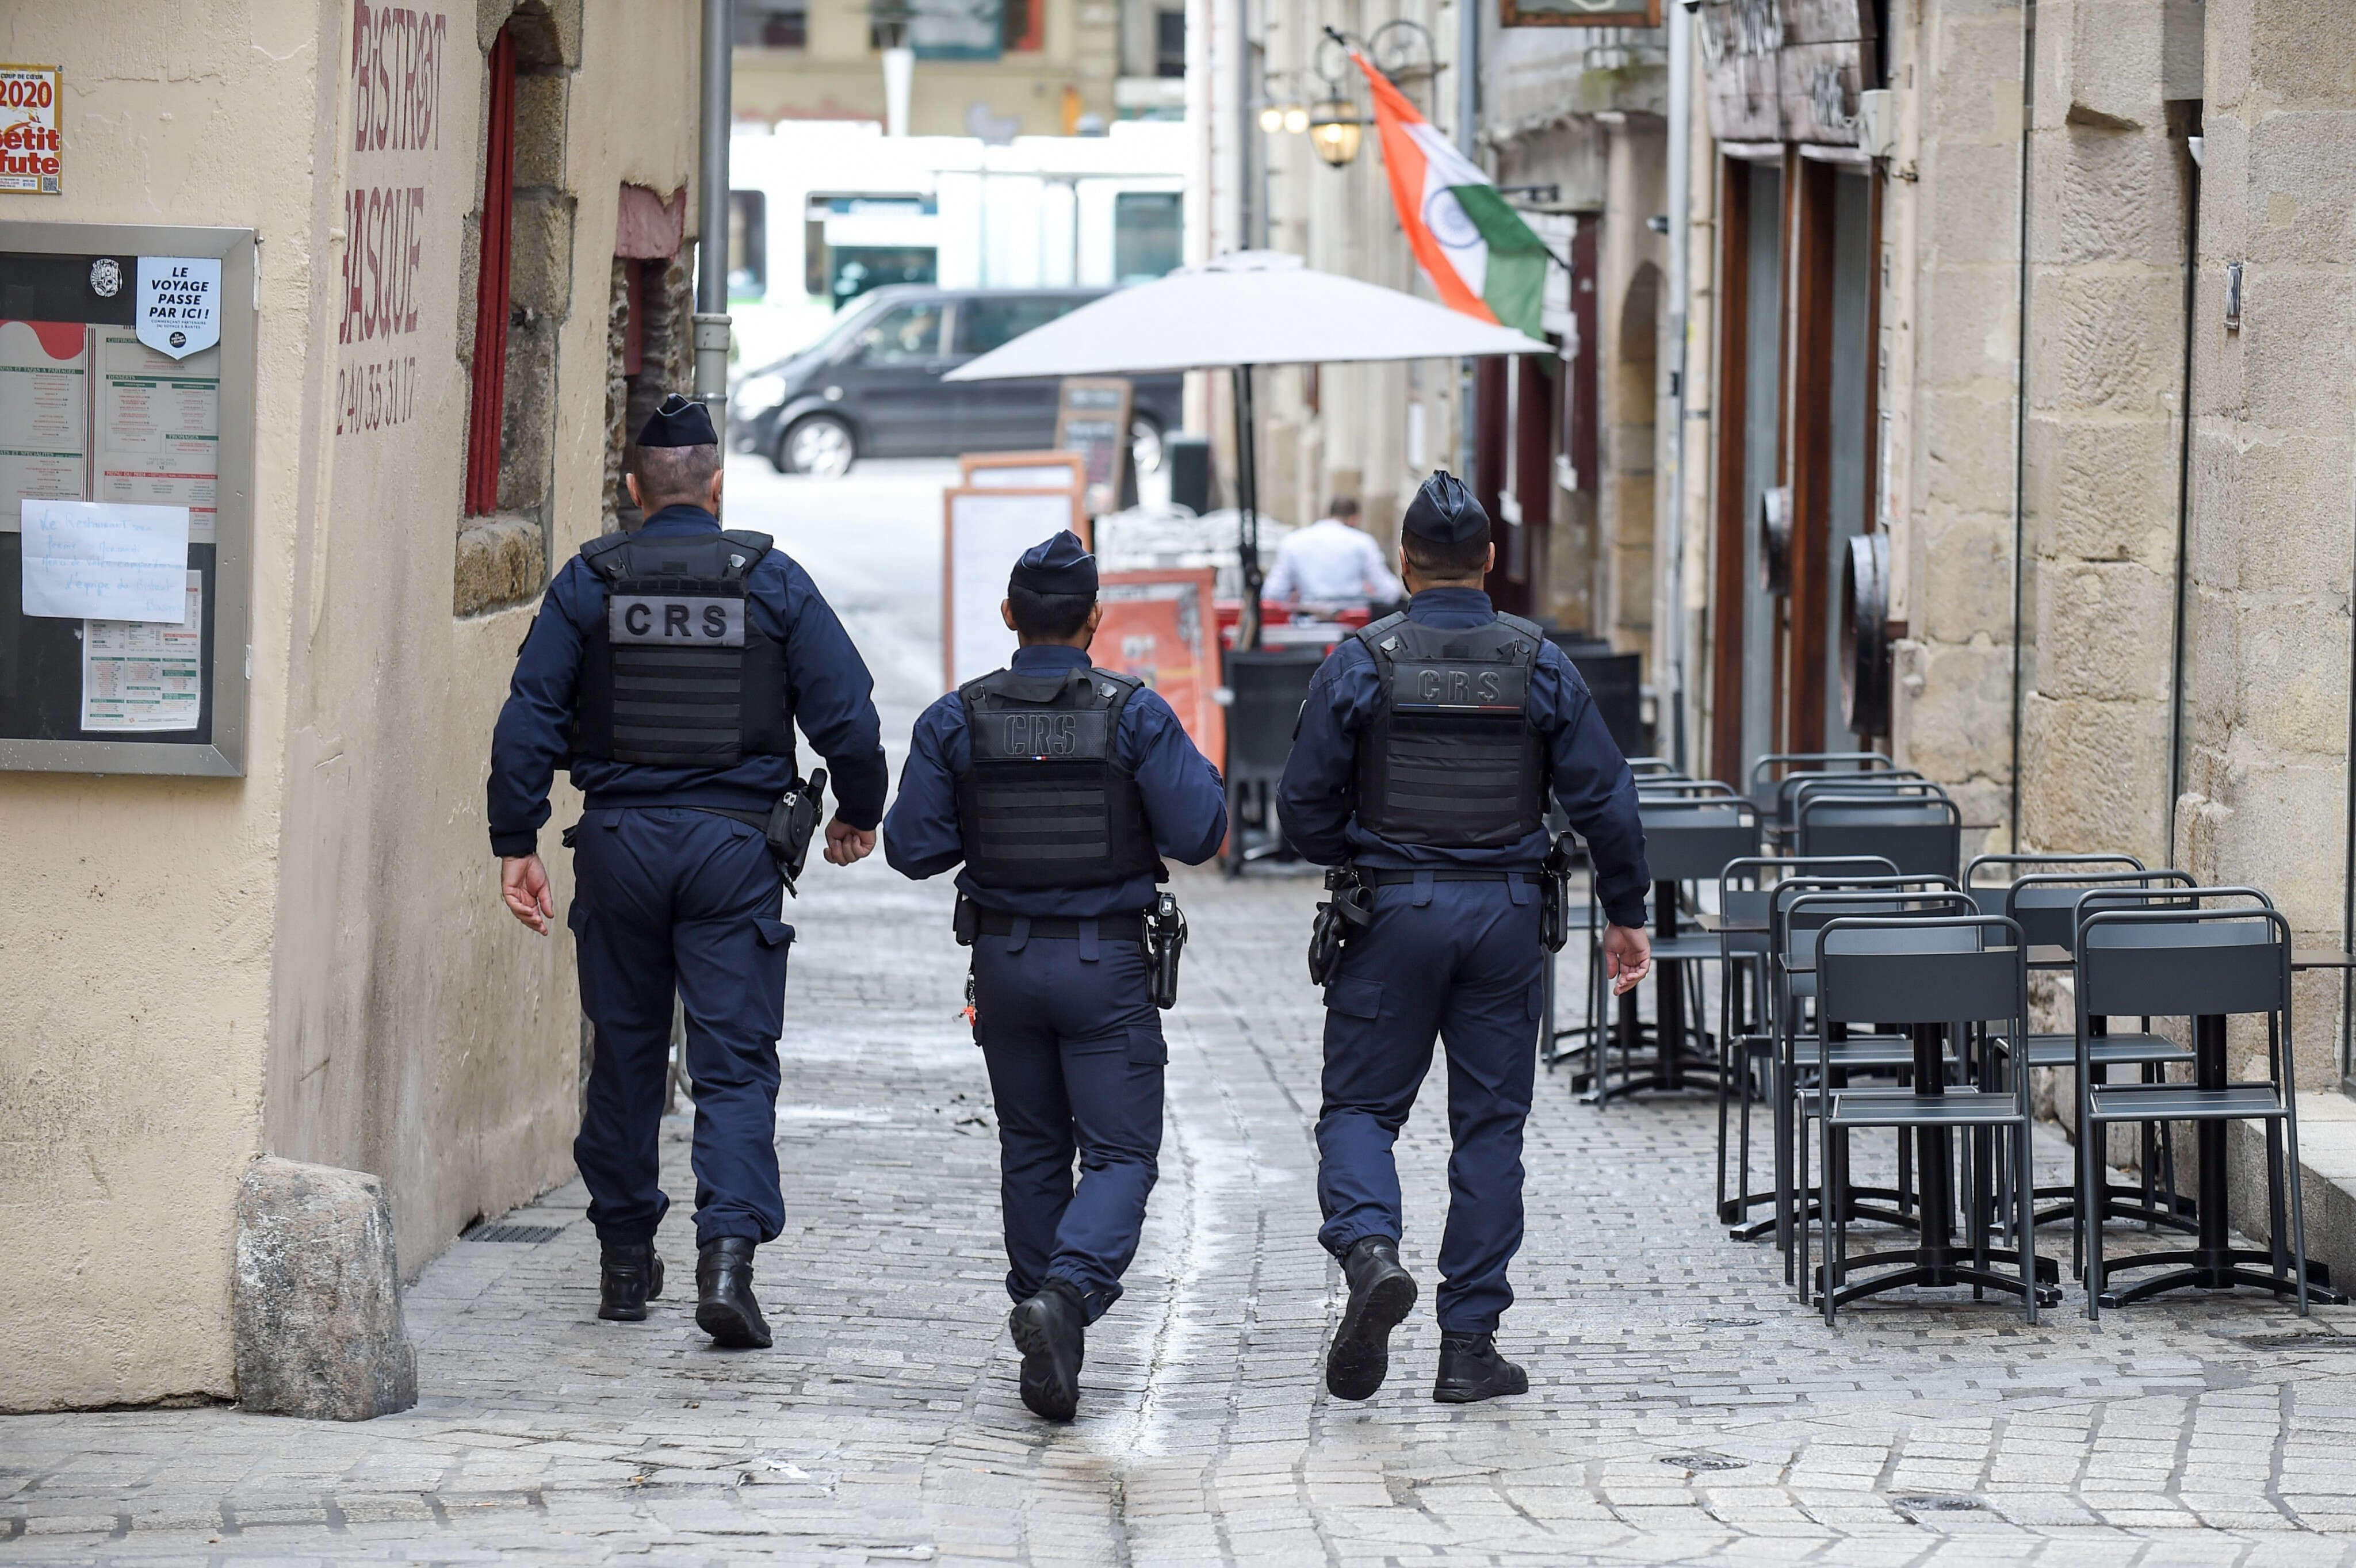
(126, 491)
(1092, 419)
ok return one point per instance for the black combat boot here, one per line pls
(629, 1275)
(1051, 1330)
(1381, 1293)
(725, 1307)
(1472, 1371)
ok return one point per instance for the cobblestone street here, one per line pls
(1681, 1409)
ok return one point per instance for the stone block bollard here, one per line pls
(317, 1295)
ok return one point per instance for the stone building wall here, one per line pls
(1959, 67)
(2111, 182)
(2274, 477)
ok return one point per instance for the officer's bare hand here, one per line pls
(1627, 957)
(845, 843)
(523, 883)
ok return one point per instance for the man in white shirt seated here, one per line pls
(1331, 564)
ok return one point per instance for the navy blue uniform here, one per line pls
(672, 898)
(1458, 961)
(1067, 1024)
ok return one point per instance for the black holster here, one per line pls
(966, 922)
(1349, 907)
(793, 822)
(1165, 939)
(1553, 896)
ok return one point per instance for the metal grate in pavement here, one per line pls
(528, 1234)
(1936, 1502)
(1702, 1461)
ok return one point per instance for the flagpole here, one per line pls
(1468, 108)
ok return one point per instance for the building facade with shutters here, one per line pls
(995, 68)
(470, 280)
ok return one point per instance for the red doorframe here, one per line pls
(487, 406)
(1731, 430)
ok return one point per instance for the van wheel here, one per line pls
(817, 445)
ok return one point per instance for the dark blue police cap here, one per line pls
(678, 423)
(1445, 512)
(1058, 566)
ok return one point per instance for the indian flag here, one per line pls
(1477, 252)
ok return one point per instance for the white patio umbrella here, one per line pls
(1238, 313)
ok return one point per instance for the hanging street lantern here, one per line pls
(1335, 129)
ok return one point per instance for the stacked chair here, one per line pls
(1868, 980)
(2041, 896)
(1692, 828)
(2203, 954)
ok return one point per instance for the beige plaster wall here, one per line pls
(310, 960)
(422, 1033)
(136, 936)
(2274, 471)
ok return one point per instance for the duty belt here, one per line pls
(1129, 926)
(1390, 876)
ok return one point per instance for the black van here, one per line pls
(872, 387)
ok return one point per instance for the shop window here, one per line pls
(748, 244)
(1170, 43)
(1147, 234)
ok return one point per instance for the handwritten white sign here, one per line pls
(178, 305)
(105, 561)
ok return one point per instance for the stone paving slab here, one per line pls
(1682, 1409)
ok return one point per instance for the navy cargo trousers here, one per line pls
(1459, 961)
(1075, 1054)
(670, 900)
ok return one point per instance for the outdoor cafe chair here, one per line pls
(2048, 905)
(1769, 774)
(1809, 1056)
(2190, 954)
(1914, 825)
(1942, 976)
(1746, 1031)
(1689, 839)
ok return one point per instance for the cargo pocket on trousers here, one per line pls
(1146, 1046)
(1355, 998)
(776, 938)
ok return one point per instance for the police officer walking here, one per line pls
(1062, 787)
(1424, 754)
(668, 667)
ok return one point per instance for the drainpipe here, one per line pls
(1680, 199)
(711, 231)
(1468, 111)
(2021, 401)
(2192, 147)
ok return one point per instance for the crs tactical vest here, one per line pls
(1451, 759)
(676, 672)
(1045, 803)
